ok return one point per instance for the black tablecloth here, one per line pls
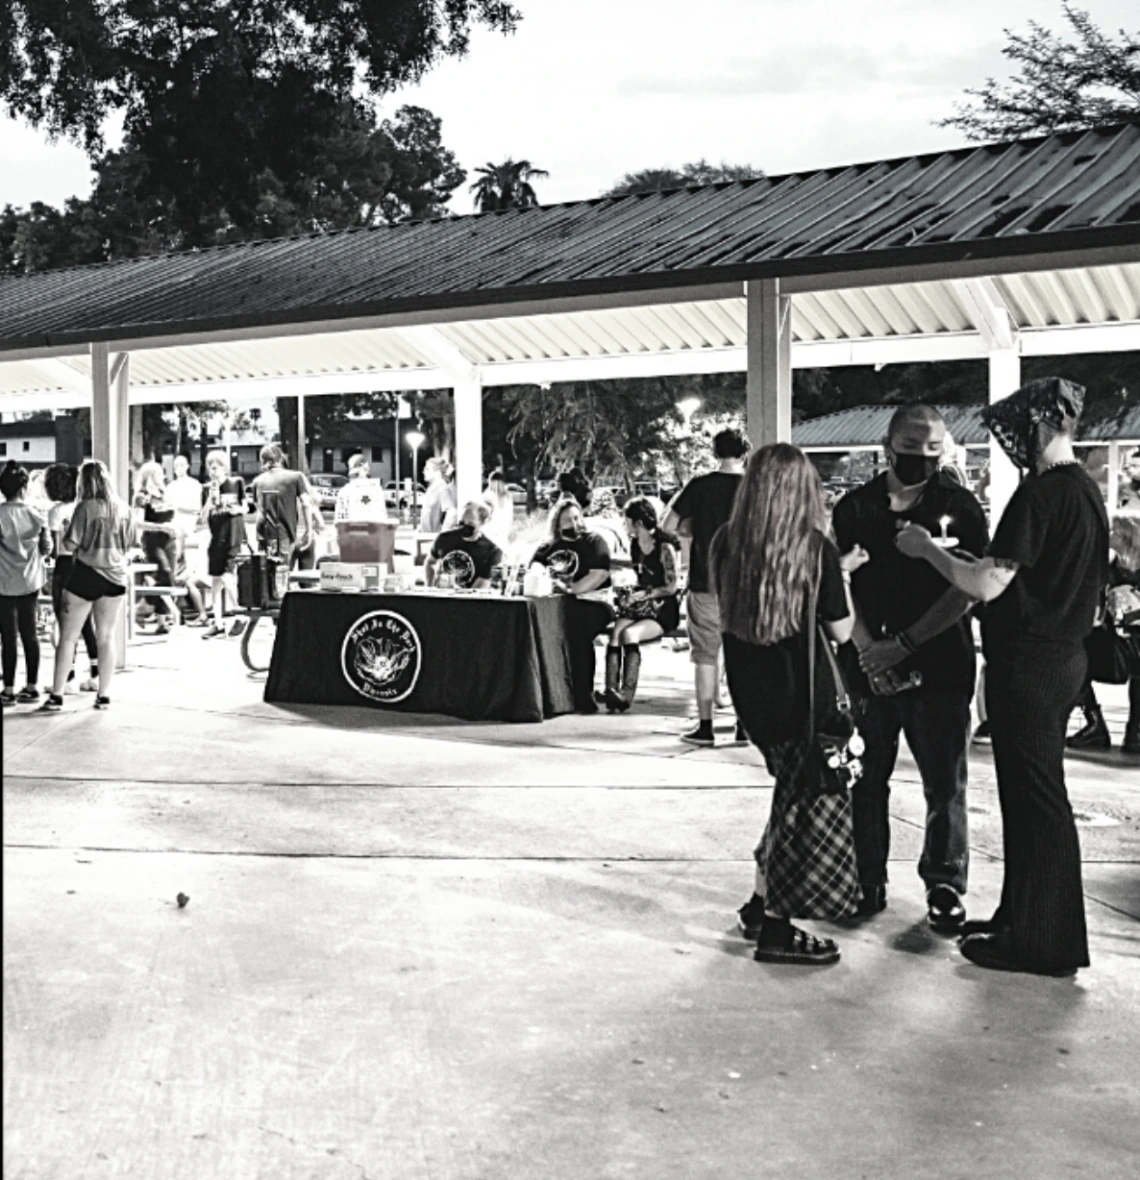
(479, 658)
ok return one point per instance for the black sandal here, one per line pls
(800, 947)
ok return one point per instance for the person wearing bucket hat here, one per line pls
(1041, 580)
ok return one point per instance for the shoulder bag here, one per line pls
(834, 743)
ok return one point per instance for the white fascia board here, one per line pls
(27, 401)
(1119, 337)
(381, 381)
(674, 363)
(889, 350)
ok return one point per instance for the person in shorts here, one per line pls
(224, 513)
(701, 507)
(285, 508)
(99, 538)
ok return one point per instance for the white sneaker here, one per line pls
(70, 688)
(91, 684)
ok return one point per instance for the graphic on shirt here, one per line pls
(563, 563)
(381, 657)
(459, 564)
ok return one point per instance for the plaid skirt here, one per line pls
(807, 852)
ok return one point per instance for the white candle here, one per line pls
(944, 522)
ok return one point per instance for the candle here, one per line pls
(944, 522)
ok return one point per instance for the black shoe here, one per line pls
(874, 901)
(701, 736)
(993, 951)
(944, 909)
(1093, 735)
(1131, 743)
(53, 704)
(982, 736)
(750, 917)
(102, 702)
(236, 628)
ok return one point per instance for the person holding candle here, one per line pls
(1041, 581)
(910, 665)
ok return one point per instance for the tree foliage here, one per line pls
(652, 180)
(1088, 80)
(506, 186)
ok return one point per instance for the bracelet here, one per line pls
(905, 642)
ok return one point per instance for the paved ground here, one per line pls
(422, 948)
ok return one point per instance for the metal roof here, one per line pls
(1070, 192)
(866, 426)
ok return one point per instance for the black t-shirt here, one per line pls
(706, 503)
(278, 493)
(1055, 527)
(770, 684)
(650, 567)
(227, 530)
(155, 511)
(571, 560)
(465, 560)
(893, 591)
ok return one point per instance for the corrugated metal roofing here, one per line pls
(865, 426)
(1062, 192)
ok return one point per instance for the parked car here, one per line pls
(325, 488)
(518, 493)
(401, 497)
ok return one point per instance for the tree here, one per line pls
(216, 94)
(506, 186)
(652, 180)
(1061, 85)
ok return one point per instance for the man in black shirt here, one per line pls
(1042, 581)
(464, 552)
(914, 672)
(701, 507)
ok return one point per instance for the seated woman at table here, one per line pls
(646, 611)
(579, 561)
(464, 552)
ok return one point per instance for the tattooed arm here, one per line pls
(984, 579)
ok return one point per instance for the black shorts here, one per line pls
(222, 561)
(88, 583)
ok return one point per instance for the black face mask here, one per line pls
(913, 470)
(468, 530)
(571, 534)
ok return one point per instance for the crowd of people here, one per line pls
(893, 579)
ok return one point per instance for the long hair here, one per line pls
(764, 559)
(150, 478)
(95, 483)
(560, 506)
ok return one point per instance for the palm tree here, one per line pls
(506, 186)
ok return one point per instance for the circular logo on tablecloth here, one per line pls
(460, 566)
(381, 656)
(563, 563)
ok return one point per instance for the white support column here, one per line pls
(468, 441)
(1113, 505)
(301, 463)
(111, 437)
(769, 407)
(1005, 377)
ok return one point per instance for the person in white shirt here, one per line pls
(361, 500)
(498, 526)
(186, 496)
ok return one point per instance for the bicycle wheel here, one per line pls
(257, 643)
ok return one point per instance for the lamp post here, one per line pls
(415, 441)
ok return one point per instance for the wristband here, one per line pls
(905, 642)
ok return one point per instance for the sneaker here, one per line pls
(28, 694)
(236, 628)
(161, 629)
(53, 704)
(70, 688)
(739, 738)
(944, 909)
(8, 698)
(700, 736)
(982, 735)
(213, 630)
(102, 702)
(1131, 743)
(91, 684)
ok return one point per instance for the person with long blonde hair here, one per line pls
(768, 562)
(99, 538)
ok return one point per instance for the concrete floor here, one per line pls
(422, 948)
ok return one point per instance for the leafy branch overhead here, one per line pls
(1061, 85)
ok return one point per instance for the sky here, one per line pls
(593, 89)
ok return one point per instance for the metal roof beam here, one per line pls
(989, 313)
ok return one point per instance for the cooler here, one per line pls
(371, 541)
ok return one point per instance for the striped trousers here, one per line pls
(1030, 691)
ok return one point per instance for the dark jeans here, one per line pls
(164, 555)
(937, 728)
(1030, 693)
(18, 617)
(59, 577)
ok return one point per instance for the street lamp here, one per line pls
(415, 440)
(689, 406)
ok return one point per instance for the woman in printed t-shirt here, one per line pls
(647, 611)
(24, 542)
(100, 536)
(464, 553)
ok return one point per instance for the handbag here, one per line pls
(835, 745)
(628, 607)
